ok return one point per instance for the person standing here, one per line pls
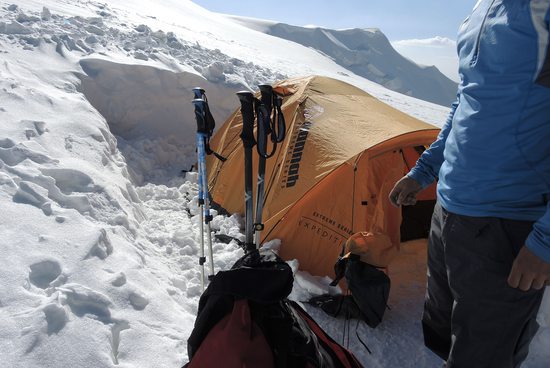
(489, 244)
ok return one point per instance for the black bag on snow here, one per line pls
(251, 297)
(369, 287)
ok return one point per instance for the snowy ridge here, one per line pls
(98, 227)
(368, 53)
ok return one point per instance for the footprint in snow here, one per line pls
(34, 128)
(86, 302)
(43, 273)
(13, 154)
(138, 302)
(56, 318)
(119, 280)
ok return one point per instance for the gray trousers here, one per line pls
(472, 318)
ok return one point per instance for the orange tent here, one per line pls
(331, 176)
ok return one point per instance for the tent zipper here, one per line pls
(478, 40)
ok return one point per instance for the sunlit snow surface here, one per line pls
(99, 227)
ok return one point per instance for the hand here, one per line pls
(529, 271)
(404, 192)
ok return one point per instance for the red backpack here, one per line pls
(245, 321)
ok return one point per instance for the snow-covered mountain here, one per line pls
(98, 229)
(367, 53)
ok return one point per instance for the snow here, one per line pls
(98, 225)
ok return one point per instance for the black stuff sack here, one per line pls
(369, 291)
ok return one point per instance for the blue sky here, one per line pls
(398, 19)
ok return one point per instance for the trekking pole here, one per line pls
(263, 113)
(266, 127)
(204, 201)
(247, 135)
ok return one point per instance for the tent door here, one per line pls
(417, 219)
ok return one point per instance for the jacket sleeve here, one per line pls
(543, 76)
(538, 241)
(427, 167)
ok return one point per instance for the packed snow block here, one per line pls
(91, 40)
(24, 18)
(30, 193)
(83, 46)
(14, 28)
(69, 43)
(34, 41)
(6, 143)
(7, 183)
(159, 35)
(95, 30)
(102, 247)
(142, 28)
(214, 72)
(97, 21)
(46, 14)
(140, 56)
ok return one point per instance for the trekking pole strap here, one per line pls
(209, 151)
(278, 121)
(263, 131)
(263, 111)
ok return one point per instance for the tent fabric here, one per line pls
(330, 178)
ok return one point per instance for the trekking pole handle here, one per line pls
(267, 96)
(266, 125)
(198, 92)
(200, 106)
(263, 131)
(247, 111)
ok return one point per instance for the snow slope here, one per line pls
(98, 229)
(368, 53)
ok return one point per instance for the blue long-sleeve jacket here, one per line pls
(492, 156)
